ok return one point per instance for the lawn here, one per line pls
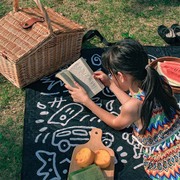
(115, 19)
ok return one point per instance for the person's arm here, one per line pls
(128, 111)
(120, 94)
(126, 117)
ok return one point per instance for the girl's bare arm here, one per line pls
(120, 94)
(127, 116)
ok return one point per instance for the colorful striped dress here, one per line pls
(160, 143)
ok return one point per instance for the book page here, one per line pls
(66, 77)
(83, 74)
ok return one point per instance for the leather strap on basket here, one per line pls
(41, 7)
(92, 33)
(29, 23)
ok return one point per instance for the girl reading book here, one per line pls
(151, 109)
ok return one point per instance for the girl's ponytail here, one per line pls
(157, 90)
(128, 56)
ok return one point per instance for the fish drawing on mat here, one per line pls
(48, 168)
(55, 165)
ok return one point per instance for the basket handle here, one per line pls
(41, 7)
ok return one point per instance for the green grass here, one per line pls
(115, 19)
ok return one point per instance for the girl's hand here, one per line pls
(102, 77)
(78, 93)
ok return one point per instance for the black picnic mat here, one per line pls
(54, 125)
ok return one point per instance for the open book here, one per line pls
(80, 72)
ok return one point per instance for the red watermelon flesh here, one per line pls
(171, 71)
(172, 63)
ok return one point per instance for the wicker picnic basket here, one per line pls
(35, 42)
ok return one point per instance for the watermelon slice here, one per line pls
(172, 63)
(171, 70)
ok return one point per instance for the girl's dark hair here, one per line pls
(128, 56)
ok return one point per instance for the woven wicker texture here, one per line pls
(28, 54)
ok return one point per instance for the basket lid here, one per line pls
(15, 41)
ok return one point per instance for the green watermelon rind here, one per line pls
(172, 82)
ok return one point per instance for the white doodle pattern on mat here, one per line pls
(107, 92)
(96, 60)
(50, 158)
(136, 148)
(63, 119)
(64, 114)
(51, 83)
(57, 102)
(68, 137)
(64, 141)
(151, 57)
(122, 154)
